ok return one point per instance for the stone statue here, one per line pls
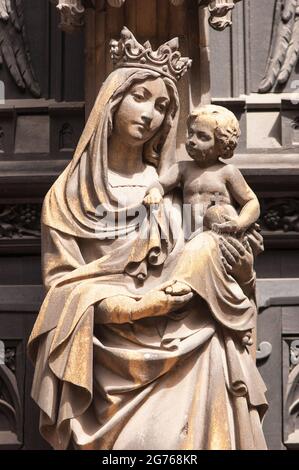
(123, 360)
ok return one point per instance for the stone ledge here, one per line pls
(277, 291)
(21, 298)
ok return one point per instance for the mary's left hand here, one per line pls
(237, 258)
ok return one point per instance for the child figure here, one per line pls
(220, 199)
(213, 133)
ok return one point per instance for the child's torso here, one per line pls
(205, 186)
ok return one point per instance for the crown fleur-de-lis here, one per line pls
(167, 60)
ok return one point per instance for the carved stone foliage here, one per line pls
(284, 52)
(290, 124)
(10, 401)
(72, 11)
(291, 407)
(220, 12)
(280, 215)
(264, 351)
(294, 352)
(19, 221)
(14, 46)
(8, 356)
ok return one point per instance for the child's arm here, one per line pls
(245, 197)
(166, 183)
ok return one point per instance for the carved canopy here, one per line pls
(72, 11)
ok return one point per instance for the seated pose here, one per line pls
(120, 364)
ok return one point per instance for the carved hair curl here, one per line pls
(225, 124)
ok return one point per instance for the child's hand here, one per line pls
(153, 197)
(229, 226)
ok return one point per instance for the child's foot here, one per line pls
(178, 288)
(246, 337)
(247, 340)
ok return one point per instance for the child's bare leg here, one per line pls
(178, 288)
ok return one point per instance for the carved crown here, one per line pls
(167, 60)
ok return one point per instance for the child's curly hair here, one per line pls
(225, 123)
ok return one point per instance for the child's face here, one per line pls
(200, 143)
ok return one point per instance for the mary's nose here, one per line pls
(147, 114)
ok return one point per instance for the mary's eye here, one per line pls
(138, 96)
(161, 108)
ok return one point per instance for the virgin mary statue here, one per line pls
(119, 363)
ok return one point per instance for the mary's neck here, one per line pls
(123, 157)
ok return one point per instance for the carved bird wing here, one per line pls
(284, 51)
(14, 47)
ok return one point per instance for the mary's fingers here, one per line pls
(178, 300)
(237, 245)
(253, 233)
(256, 242)
(180, 288)
(166, 284)
(246, 245)
(169, 290)
(225, 242)
(227, 254)
(257, 227)
(227, 266)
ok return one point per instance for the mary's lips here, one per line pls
(142, 125)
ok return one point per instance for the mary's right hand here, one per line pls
(158, 303)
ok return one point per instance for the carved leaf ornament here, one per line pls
(72, 11)
(284, 51)
(14, 46)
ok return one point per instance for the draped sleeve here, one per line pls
(60, 255)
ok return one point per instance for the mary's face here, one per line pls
(142, 111)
